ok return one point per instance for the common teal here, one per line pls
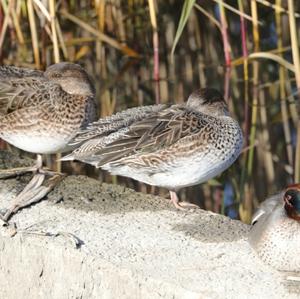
(275, 234)
(40, 112)
(168, 146)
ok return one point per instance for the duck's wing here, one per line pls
(266, 207)
(155, 131)
(107, 130)
(10, 72)
(23, 88)
(110, 124)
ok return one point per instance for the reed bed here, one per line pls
(141, 52)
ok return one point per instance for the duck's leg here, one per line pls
(45, 170)
(181, 205)
(38, 168)
(8, 173)
(34, 190)
(32, 193)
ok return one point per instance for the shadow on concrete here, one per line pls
(211, 228)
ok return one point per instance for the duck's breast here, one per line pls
(276, 239)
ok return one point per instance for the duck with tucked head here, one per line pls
(168, 146)
(275, 234)
(40, 112)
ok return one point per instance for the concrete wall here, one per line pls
(132, 246)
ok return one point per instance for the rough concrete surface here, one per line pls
(131, 245)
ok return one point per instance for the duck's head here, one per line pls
(209, 101)
(71, 77)
(292, 201)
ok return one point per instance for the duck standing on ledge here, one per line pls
(275, 234)
(168, 146)
(40, 112)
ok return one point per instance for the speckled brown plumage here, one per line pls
(169, 146)
(40, 112)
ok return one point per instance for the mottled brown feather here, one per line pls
(20, 93)
(34, 103)
(160, 130)
(113, 123)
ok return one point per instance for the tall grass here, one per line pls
(144, 51)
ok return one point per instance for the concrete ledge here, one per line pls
(133, 246)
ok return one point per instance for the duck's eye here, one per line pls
(57, 75)
(287, 199)
(291, 197)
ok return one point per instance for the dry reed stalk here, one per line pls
(246, 207)
(120, 23)
(209, 16)
(284, 109)
(276, 84)
(17, 25)
(240, 60)
(100, 51)
(294, 42)
(271, 56)
(34, 36)
(79, 40)
(255, 85)
(43, 9)
(19, 5)
(6, 10)
(121, 33)
(227, 50)
(246, 99)
(155, 50)
(56, 56)
(265, 138)
(209, 40)
(170, 71)
(236, 11)
(164, 92)
(224, 28)
(1, 25)
(200, 56)
(188, 58)
(53, 31)
(125, 49)
(101, 58)
(291, 98)
(61, 40)
(245, 70)
(296, 60)
(279, 8)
